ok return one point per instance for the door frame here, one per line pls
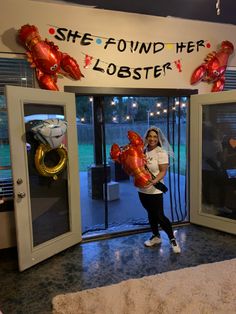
(139, 92)
(118, 91)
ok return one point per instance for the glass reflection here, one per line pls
(219, 160)
(48, 194)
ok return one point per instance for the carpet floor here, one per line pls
(203, 289)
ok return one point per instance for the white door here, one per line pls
(47, 209)
(213, 160)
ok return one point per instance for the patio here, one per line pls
(125, 213)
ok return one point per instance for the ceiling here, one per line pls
(203, 10)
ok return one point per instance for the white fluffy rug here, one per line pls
(204, 289)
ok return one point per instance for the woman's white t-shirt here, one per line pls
(155, 157)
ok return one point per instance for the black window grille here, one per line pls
(15, 72)
(230, 79)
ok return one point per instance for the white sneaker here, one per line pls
(154, 240)
(175, 246)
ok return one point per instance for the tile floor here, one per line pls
(104, 262)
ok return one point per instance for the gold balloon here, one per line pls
(44, 170)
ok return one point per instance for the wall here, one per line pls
(117, 25)
(123, 28)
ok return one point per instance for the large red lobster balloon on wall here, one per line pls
(132, 158)
(213, 69)
(47, 59)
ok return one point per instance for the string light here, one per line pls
(157, 110)
(218, 7)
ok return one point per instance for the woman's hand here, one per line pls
(154, 181)
(149, 184)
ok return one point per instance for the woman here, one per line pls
(152, 198)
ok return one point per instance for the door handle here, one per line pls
(21, 194)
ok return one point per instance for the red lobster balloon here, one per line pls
(213, 69)
(132, 158)
(46, 57)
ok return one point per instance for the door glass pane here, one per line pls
(91, 173)
(219, 160)
(48, 195)
(138, 114)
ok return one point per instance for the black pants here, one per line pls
(153, 203)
